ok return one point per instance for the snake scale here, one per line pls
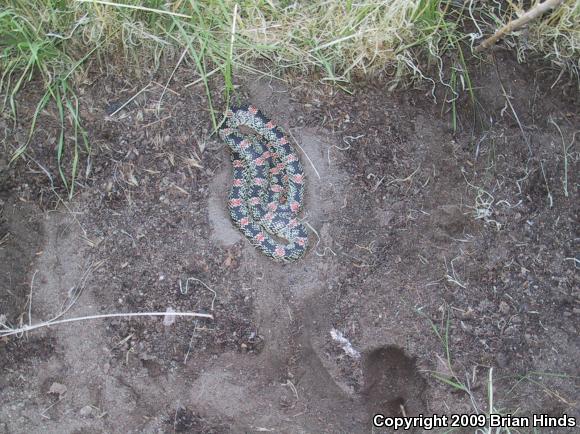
(268, 186)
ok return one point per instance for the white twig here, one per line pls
(550, 197)
(169, 80)
(305, 154)
(130, 99)
(565, 150)
(9, 331)
(233, 32)
(193, 335)
(184, 291)
(532, 14)
(30, 299)
(408, 178)
(291, 385)
(318, 242)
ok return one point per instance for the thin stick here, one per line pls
(75, 292)
(130, 99)
(291, 385)
(408, 178)
(30, 299)
(168, 89)
(565, 180)
(193, 335)
(508, 102)
(233, 32)
(43, 414)
(186, 289)
(109, 315)
(305, 154)
(550, 198)
(156, 122)
(532, 14)
(318, 242)
(170, 77)
(141, 8)
(199, 80)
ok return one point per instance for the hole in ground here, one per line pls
(392, 385)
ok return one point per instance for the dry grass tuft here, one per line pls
(59, 41)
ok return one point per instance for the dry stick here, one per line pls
(564, 148)
(199, 80)
(305, 154)
(509, 103)
(19, 330)
(532, 14)
(169, 79)
(184, 291)
(130, 99)
(30, 299)
(233, 32)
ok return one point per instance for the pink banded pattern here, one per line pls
(267, 193)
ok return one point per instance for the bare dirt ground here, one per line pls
(436, 254)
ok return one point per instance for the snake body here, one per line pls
(268, 186)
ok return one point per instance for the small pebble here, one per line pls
(86, 411)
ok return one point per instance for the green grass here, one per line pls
(54, 42)
(453, 380)
(539, 380)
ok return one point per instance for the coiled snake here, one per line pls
(268, 187)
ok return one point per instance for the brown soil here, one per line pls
(436, 254)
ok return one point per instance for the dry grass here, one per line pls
(556, 37)
(59, 41)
